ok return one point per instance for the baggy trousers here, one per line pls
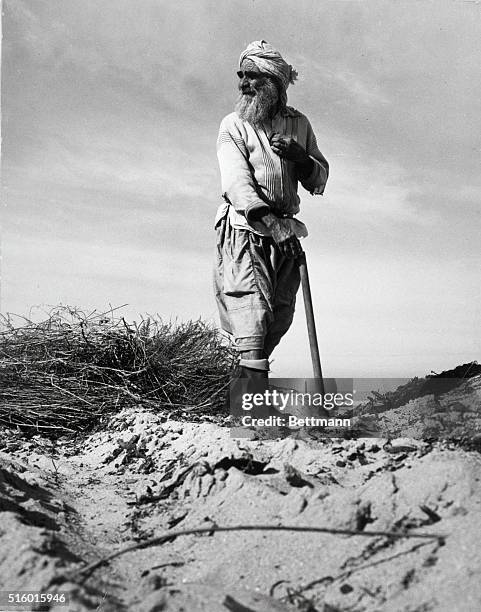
(255, 288)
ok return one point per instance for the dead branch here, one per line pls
(303, 529)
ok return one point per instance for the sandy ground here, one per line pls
(67, 505)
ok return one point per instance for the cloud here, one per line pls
(150, 279)
(344, 85)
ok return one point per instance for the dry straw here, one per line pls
(64, 374)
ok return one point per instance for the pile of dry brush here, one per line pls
(64, 374)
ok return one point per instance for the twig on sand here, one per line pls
(184, 532)
(234, 606)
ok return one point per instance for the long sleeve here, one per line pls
(316, 181)
(237, 177)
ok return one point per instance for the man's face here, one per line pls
(251, 79)
(259, 95)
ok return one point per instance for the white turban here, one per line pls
(268, 60)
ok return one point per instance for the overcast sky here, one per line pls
(110, 112)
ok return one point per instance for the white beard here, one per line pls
(258, 108)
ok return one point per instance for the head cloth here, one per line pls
(268, 60)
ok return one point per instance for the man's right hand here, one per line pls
(283, 235)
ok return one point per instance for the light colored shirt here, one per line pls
(254, 177)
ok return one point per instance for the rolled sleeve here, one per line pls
(256, 209)
(315, 183)
(238, 183)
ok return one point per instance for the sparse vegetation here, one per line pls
(64, 374)
(418, 387)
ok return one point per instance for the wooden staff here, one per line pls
(311, 324)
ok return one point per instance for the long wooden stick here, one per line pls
(311, 324)
(158, 540)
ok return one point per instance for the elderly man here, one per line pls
(264, 149)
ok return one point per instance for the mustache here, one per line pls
(263, 90)
(249, 88)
